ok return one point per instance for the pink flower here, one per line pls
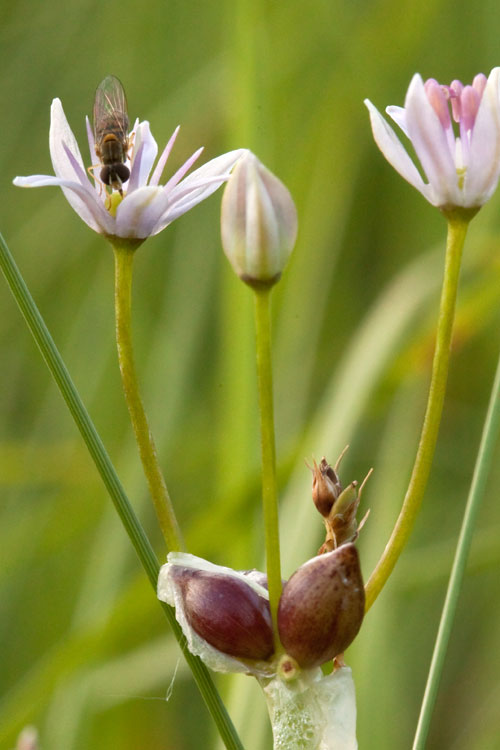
(462, 167)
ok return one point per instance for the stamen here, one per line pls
(438, 100)
(470, 100)
(455, 89)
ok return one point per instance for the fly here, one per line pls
(111, 132)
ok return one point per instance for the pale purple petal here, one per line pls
(90, 137)
(219, 167)
(144, 154)
(93, 212)
(60, 133)
(78, 171)
(431, 145)
(198, 186)
(399, 116)
(94, 161)
(158, 171)
(182, 170)
(139, 212)
(392, 149)
(482, 175)
(184, 200)
(62, 140)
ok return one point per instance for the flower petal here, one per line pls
(197, 186)
(431, 145)
(391, 147)
(93, 156)
(145, 150)
(484, 165)
(206, 179)
(139, 212)
(177, 177)
(60, 133)
(156, 176)
(93, 212)
(398, 114)
(62, 140)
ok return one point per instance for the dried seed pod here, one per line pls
(326, 486)
(322, 607)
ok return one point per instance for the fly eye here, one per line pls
(121, 171)
(106, 175)
(114, 174)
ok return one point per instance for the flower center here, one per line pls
(112, 202)
(460, 104)
(464, 101)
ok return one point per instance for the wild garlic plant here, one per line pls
(288, 635)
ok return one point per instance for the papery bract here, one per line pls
(462, 170)
(314, 712)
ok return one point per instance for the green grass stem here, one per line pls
(108, 474)
(482, 468)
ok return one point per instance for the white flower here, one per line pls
(462, 169)
(147, 206)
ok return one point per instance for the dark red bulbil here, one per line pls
(226, 612)
(322, 607)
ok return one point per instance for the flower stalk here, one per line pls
(458, 222)
(268, 450)
(124, 257)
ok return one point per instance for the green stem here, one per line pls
(457, 229)
(109, 476)
(269, 484)
(489, 437)
(124, 257)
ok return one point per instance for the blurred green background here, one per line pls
(85, 655)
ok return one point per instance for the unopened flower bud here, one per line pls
(224, 614)
(258, 222)
(28, 739)
(322, 607)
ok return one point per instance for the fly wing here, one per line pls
(110, 109)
